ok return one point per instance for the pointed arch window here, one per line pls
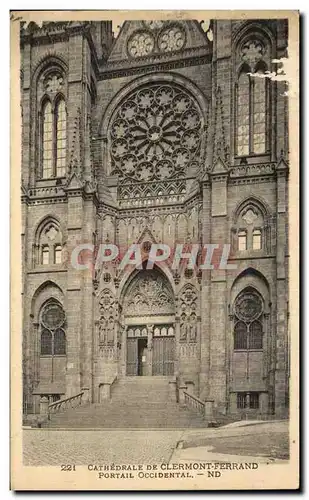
(255, 339)
(259, 113)
(45, 255)
(61, 138)
(48, 248)
(251, 113)
(53, 339)
(59, 342)
(243, 115)
(47, 140)
(250, 232)
(54, 138)
(46, 342)
(256, 239)
(248, 324)
(242, 240)
(58, 254)
(240, 335)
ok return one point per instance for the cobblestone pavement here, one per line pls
(52, 447)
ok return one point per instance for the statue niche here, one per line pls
(188, 318)
(108, 314)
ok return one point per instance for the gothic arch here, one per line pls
(49, 61)
(251, 278)
(131, 274)
(147, 295)
(248, 29)
(47, 219)
(259, 203)
(259, 33)
(46, 291)
(152, 78)
(242, 68)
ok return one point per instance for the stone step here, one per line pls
(136, 402)
(115, 416)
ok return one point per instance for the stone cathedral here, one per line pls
(170, 132)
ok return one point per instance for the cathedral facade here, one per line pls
(171, 133)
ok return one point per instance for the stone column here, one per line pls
(267, 354)
(218, 290)
(205, 301)
(177, 338)
(150, 347)
(74, 304)
(281, 377)
(230, 396)
(123, 354)
(177, 346)
(36, 353)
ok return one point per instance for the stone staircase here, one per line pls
(136, 402)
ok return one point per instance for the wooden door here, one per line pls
(132, 357)
(163, 356)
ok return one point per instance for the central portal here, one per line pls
(149, 315)
(142, 357)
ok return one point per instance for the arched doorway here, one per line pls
(149, 316)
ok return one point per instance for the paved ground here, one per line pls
(263, 441)
(266, 441)
(53, 447)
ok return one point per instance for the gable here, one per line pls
(140, 41)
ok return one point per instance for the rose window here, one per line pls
(141, 44)
(248, 306)
(155, 134)
(53, 316)
(171, 39)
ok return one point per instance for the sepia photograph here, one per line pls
(153, 185)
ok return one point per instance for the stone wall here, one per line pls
(87, 205)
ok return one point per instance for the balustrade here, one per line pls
(65, 404)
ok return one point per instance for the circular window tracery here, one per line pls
(155, 134)
(248, 306)
(141, 44)
(53, 316)
(171, 39)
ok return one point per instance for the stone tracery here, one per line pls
(141, 44)
(171, 39)
(149, 294)
(248, 306)
(155, 134)
(107, 311)
(188, 316)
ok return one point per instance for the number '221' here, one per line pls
(67, 468)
